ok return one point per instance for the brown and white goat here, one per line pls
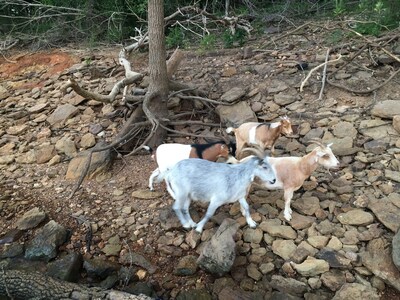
(291, 172)
(262, 134)
(167, 155)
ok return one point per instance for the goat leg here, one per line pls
(186, 214)
(287, 213)
(244, 207)
(155, 173)
(178, 209)
(210, 212)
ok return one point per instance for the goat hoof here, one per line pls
(199, 229)
(252, 224)
(288, 217)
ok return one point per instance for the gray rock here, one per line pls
(283, 296)
(302, 251)
(62, 113)
(396, 123)
(283, 248)
(219, 253)
(251, 235)
(236, 293)
(376, 129)
(233, 94)
(11, 236)
(342, 146)
(343, 129)
(378, 259)
(67, 268)
(299, 222)
(318, 241)
(277, 86)
(386, 109)
(17, 129)
(285, 232)
(285, 99)
(267, 268)
(376, 146)
(12, 250)
(334, 258)
(253, 272)
(396, 250)
(31, 219)
(236, 114)
(315, 133)
(99, 268)
(168, 219)
(88, 140)
(393, 175)
(356, 217)
(133, 258)
(186, 266)
(333, 279)
(100, 162)
(44, 246)
(194, 294)
(66, 146)
(288, 285)
(45, 153)
(311, 267)
(356, 291)
(306, 205)
(385, 211)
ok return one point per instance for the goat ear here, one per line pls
(320, 153)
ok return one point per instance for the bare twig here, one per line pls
(316, 68)
(324, 75)
(363, 91)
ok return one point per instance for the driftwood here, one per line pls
(27, 286)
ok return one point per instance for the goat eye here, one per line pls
(326, 156)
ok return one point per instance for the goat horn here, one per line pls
(257, 151)
(315, 141)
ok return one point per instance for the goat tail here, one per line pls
(148, 148)
(230, 129)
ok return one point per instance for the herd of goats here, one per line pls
(191, 172)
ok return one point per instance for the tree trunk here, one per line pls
(23, 285)
(158, 89)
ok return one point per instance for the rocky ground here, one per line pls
(340, 244)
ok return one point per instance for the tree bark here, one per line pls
(156, 100)
(23, 285)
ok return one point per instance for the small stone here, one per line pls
(356, 217)
(311, 267)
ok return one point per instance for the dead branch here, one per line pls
(316, 68)
(205, 100)
(286, 34)
(71, 83)
(363, 91)
(395, 57)
(174, 62)
(324, 75)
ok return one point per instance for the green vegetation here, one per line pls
(208, 42)
(115, 21)
(234, 40)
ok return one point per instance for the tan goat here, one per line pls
(262, 134)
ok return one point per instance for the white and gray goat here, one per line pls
(167, 155)
(292, 171)
(216, 183)
(263, 135)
